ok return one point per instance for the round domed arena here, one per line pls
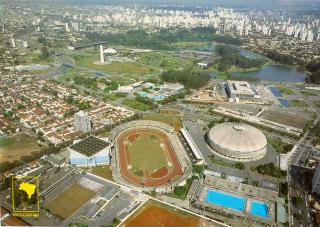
(237, 142)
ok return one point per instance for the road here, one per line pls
(294, 157)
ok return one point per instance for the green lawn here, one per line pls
(297, 103)
(174, 121)
(69, 201)
(103, 171)
(218, 161)
(134, 104)
(280, 146)
(34, 58)
(87, 59)
(163, 60)
(191, 44)
(15, 147)
(146, 154)
(285, 90)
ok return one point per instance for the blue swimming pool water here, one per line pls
(226, 200)
(284, 102)
(150, 96)
(259, 209)
(275, 91)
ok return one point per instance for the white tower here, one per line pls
(82, 121)
(13, 43)
(101, 54)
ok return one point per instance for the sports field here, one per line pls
(69, 201)
(157, 214)
(14, 147)
(147, 157)
(146, 152)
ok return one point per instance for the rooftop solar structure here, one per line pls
(89, 146)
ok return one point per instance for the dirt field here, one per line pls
(147, 157)
(300, 121)
(69, 201)
(13, 148)
(156, 215)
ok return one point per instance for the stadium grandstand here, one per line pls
(194, 148)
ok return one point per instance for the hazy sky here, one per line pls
(312, 4)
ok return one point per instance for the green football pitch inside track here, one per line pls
(146, 154)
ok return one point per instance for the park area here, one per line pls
(13, 148)
(89, 58)
(146, 157)
(157, 214)
(69, 201)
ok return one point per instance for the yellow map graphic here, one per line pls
(28, 188)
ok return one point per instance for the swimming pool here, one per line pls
(275, 91)
(150, 96)
(284, 102)
(226, 200)
(259, 209)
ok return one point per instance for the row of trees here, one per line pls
(187, 77)
(282, 58)
(164, 39)
(231, 56)
(314, 69)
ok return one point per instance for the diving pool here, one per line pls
(226, 200)
(259, 209)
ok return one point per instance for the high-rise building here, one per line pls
(13, 43)
(82, 121)
(101, 54)
(25, 44)
(316, 181)
(75, 25)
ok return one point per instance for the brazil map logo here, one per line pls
(25, 196)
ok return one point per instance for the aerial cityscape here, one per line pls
(160, 113)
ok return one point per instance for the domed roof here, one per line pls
(237, 137)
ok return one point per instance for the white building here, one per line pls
(82, 121)
(172, 86)
(125, 89)
(237, 90)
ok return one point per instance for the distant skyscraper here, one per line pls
(13, 43)
(316, 181)
(82, 121)
(75, 26)
(25, 44)
(101, 54)
(67, 27)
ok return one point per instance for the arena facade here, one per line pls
(148, 155)
(237, 142)
(90, 151)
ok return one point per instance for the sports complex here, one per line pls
(148, 154)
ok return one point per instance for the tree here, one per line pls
(44, 53)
